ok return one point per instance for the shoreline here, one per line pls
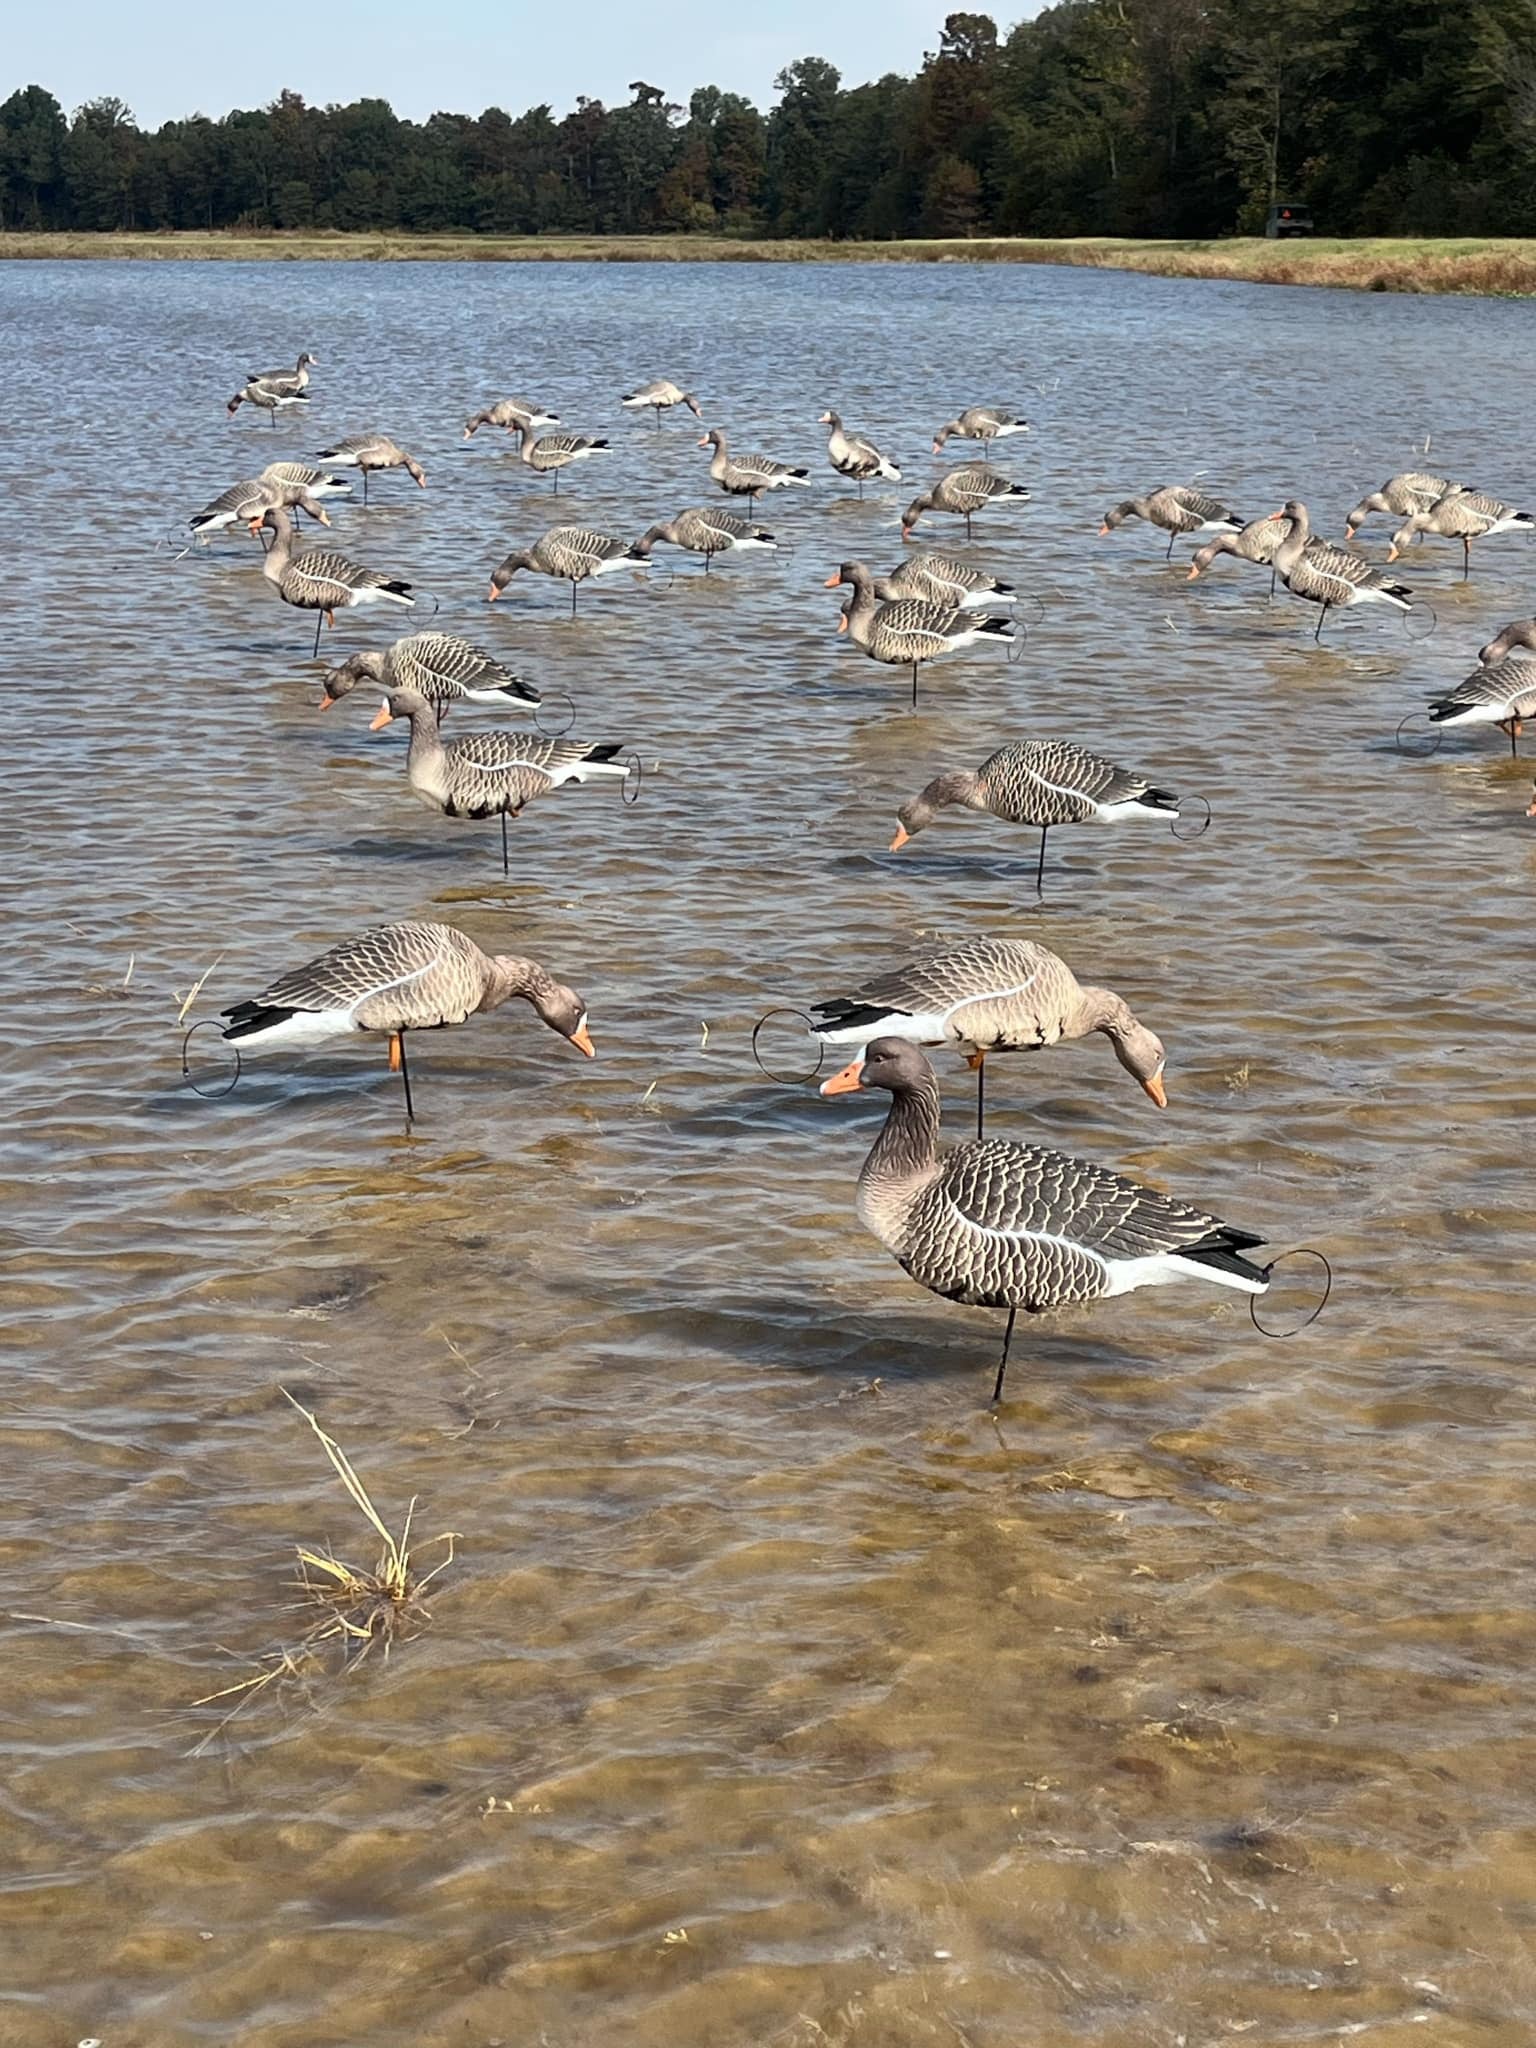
(1476, 265)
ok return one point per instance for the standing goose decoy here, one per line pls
(296, 379)
(747, 476)
(571, 553)
(1502, 693)
(510, 413)
(1041, 783)
(707, 531)
(992, 995)
(489, 774)
(938, 579)
(1413, 490)
(322, 583)
(1177, 509)
(245, 503)
(266, 399)
(551, 453)
(661, 394)
(1465, 516)
(963, 492)
(1326, 574)
(851, 455)
(995, 1224)
(1518, 634)
(443, 668)
(980, 423)
(370, 452)
(907, 632)
(398, 978)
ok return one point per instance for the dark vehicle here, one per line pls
(1288, 220)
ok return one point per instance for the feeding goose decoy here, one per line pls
(1177, 509)
(907, 631)
(1502, 692)
(939, 579)
(266, 399)
(445, 669)
(706, 530)
(573, 554)
(489, 774)
(322, 583)
(855, 456)
(510, 413)
(292, 380)
(979, 423)
(1323, 573)
(1412, 490)
(246, 502)
(747, 476)
(551, 453)
(1518, 634)
(396, 978)
(963, 492)
(1465, 516)
(371, 452)
(1041, 783)
(996, 1224)
(989, 995)
(660, 395)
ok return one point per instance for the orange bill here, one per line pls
(326, 703)
(1105, 528)
(833, 580)
(846, 1081)
(1392, 552)
(582, 1040)
(703, 440)
(1154, 1087)
(323, 516)
(495, 593)
(902, 836)
(974, 1060)
(1193, 573)
(382, 717)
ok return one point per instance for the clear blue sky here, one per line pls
(172, 57)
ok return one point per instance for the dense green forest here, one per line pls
(1124, 117)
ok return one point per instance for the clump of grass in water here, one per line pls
(362, 1609)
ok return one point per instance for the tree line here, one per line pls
(1121, 117)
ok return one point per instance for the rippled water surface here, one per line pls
(780, 1693)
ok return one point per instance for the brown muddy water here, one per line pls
(780, 1693)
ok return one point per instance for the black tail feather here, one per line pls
(246, 1018)
(606, 750)
(1158, 800)
(1221, 1249)
(843, 1013)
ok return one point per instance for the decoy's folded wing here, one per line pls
(384, 957)
(1025, 1191)
(442, 665)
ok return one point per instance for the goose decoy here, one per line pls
(661, 394)
(445, 669)
(551, 453)
(1041, 783)
(939, 579)
(371, 452)
(979, 423)
(397, 978)
(570, 553)
(996, 1224)
(963, 492)
(1518, 634)
(244, 503)
(322, 583)
(1502, 693)
(1256, 542)
(991, 995)
(907, 632)
(1328, 575)
(510, 413)
(1465, 516)
(265, 399)
(707, 531)
(1177, 509)
(747, 476)
(852, 455)
(489, 774)
(290, 381)
(1413, 490)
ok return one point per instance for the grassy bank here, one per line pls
(1386, 264)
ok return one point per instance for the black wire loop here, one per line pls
(559, 731)
(1204, 825)
(1030, 597)
(1420, 745)
(1015, 647)
(634, 775)
(1301, 1251)
(1421, 609)
(209, 1094)
(787, 1080)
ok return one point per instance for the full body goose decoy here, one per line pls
(322, 583)
(1465, 516)
(1041, 783)
(397, 978)
(991, 995)
(706, 530)
(266, 399)
(551, 453)
(661, 394)
(370, 452)
(246, 502)
(963, 492)
(1413, 490)
(747, 476)
(510, 413)
(569, 553)
(852, 455)
(1328, 575)
(979, 423)
(296, 379)
(445, 669)
(908, 631)
(1177, 509)
(489, 774)
(995, 1224)
(1502, 692)
(939, 579)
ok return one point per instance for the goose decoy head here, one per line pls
(308, 362)
(564, 1011)
(913, 513)
(401, 704)
(692, 404)
(341, 682)
(1140, 1052)
(1117, 515)
(890, 1063)
(712, 439)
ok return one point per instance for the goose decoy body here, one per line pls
(318, 482)
(660, 395)
(963, 492)
(854, 455)
(321, 582)
(292, 380)
(996, 1224)
(1325, 574)
(445, 669)
(1502, 693)
(908, 631)
(987, 995)
(510, 413)
(939, 579)
(747, 476)
(265, 398)
(1177, 509)
(1465, 516)
(396, 978)
(1412, 490)
(550, 453)
(706, 530)
(573, 554)
(372, 452)
(1041, 783)
(979, 423)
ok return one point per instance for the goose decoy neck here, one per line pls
(1138, 1050)
(665, 529)
(957, 786)
(357, 668)
(1128, 508)
(1521, 633)
(416, 709)
(509, 976)
(915, 511)
(906, 1153)
(507, 568)
(1290, 550)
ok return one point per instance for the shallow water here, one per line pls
(779, 1692)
